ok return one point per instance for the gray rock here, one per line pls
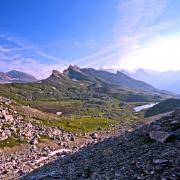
(34, 141)
(94, 135)
(159, 136)
(41, 176)
(9, 118)
(160, 161)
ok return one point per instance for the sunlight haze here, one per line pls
(113, 34)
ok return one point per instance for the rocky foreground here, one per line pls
(25, 146)
(150, 152)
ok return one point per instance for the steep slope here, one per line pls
(119, 79)
(4, 78)
(163, 107)
(150, 152)
(93, 96)
(159, 79)
(75, 73)
(60, 87)
(19, 76)
(16, 77)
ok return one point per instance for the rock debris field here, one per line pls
(149, 152)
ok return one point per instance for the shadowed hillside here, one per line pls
(150, 152)
(163, 107)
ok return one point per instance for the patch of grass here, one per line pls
(77, 124)
(65, 106)
(44, 138)
(4, 126)
(10, 142)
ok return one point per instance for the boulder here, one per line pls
(9, 118)
(34, 141)
(94, 135)
(160, 136)
(160, 161)
(28, 134)
(3, 136)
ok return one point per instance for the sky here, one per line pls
(37, 36)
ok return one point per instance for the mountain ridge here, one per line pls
(119, 78)
(159, 79)
(15, 76)
(84, 86)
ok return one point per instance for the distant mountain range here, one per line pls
(16, 77)
(119, 79)
(141, 80)
(84, 84)
(167, 80)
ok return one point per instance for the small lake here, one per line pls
(143, 107)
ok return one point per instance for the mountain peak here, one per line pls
(15, 76)
(15, 71)
(119, 72)
(56, 73)
(140, 71)
(74, 68)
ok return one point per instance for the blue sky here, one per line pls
(37, 36)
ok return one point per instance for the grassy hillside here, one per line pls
(85, 104)
(163, 107)
(60, 93)
(90, 119)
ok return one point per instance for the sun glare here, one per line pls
(161, 54)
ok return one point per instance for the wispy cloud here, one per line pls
(137, 21)
(31, 66)
(102, 59)
(22, 45)
(102, 52)
(12, 57)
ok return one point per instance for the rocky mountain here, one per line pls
(88, 123)
(85, 86)
(16, 77)
(119, 78)
(148, 152)
(167, 80)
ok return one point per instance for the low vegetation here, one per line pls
(163, 107)
(10, 142)
(77, 125)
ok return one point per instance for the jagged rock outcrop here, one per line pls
(119, 79)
